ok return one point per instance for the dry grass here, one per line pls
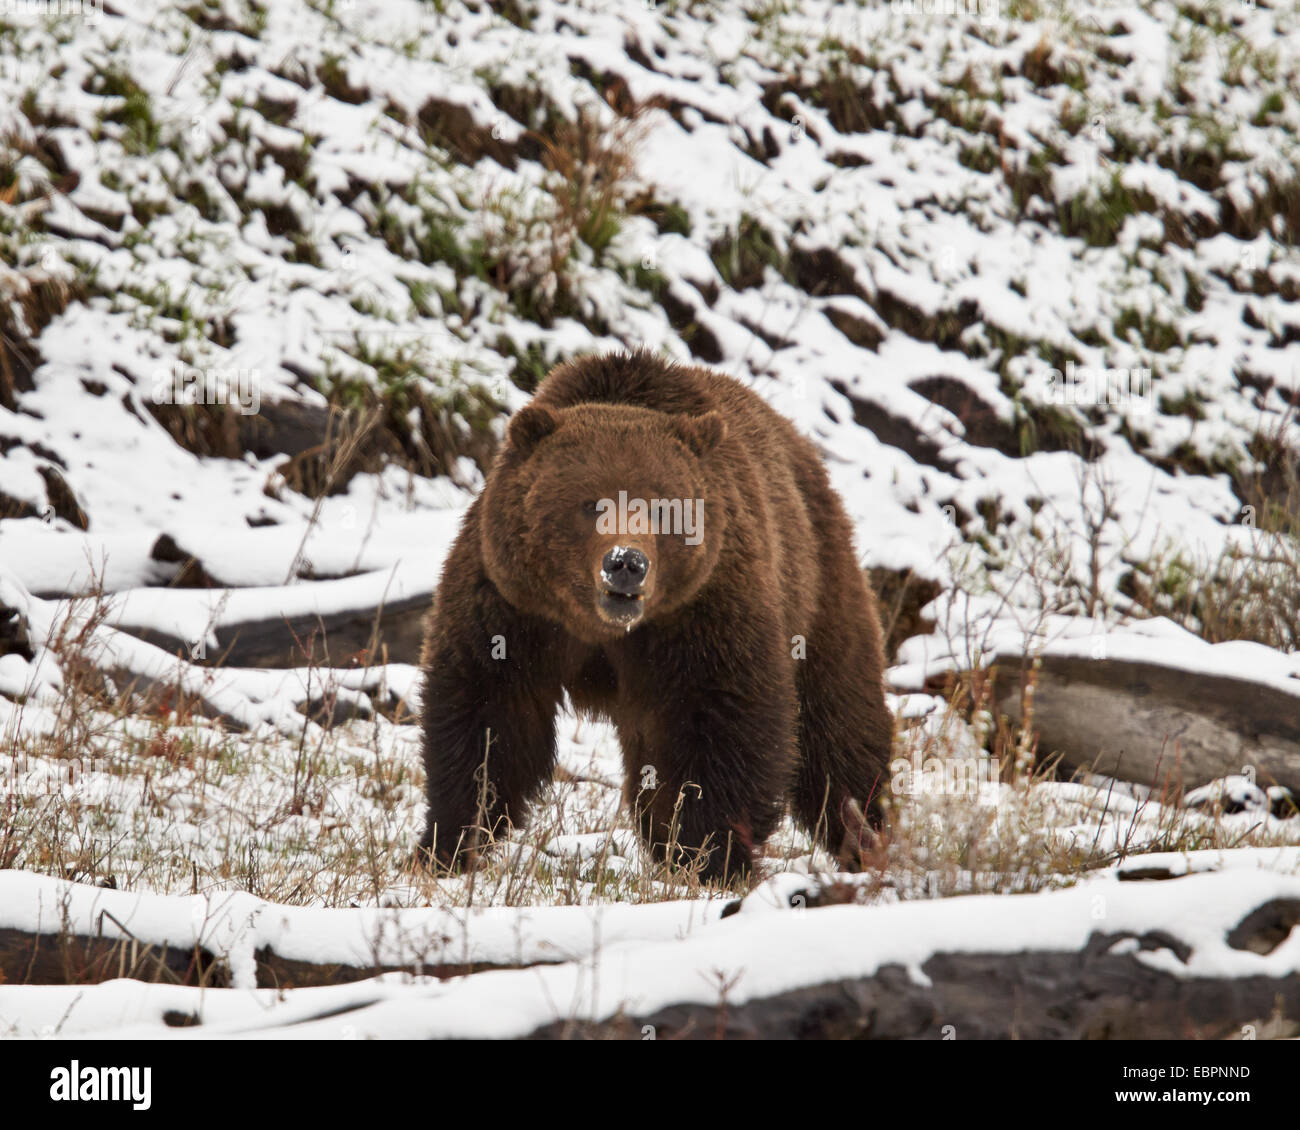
(1251, 590)
(1246, 593)
(112, 793)
(110, 785)
(531, 239)
(1030, 831)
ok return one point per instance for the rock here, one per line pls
(190, 573)
(1229, 795)
(902, 595)
(13, 633)
(1282, 803)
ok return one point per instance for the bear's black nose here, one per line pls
(623, 569)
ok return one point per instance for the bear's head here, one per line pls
(602, 517)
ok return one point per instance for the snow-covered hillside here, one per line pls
(273, 275)
(912, 221)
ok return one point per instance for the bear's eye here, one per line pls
(589, 508)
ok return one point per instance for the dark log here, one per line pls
(1091, 995)
(1105, 991)
(393, 634)
(75, 959)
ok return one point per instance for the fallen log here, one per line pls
(33, 958)
(391, 632)
(53, 932)
(1147, 722)
(1098, 994)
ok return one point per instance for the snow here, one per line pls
(189, 278)
(1157, 641)
(233, 926)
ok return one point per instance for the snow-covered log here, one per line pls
(1208, 955)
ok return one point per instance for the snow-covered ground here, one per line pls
(922, 236)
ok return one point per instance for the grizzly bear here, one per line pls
(737, 652)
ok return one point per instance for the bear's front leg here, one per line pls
(710, 765)
(491, 690)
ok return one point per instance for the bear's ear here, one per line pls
(529, 426)
(702, 433)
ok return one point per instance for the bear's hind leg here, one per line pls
(845, 729)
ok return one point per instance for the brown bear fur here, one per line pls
(705, 687)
